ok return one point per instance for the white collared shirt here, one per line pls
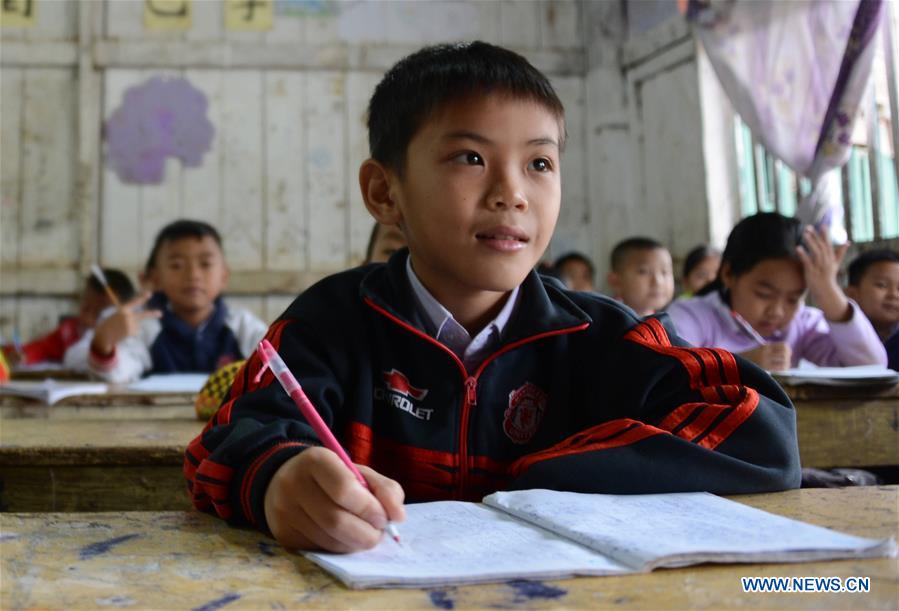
(446, 330)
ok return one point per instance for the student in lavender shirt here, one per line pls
(756, 305)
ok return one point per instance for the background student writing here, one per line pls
(56, 346)
(756, 306)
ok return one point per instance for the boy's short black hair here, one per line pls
(624, 248)
(861, 263)
(428, 79)
(119, 283)
(574, 256)
(176, 230)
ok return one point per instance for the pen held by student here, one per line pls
(273, 361)
(97, 271)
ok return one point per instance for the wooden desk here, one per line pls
(113, 405)
(188, 560)
(847, 426)
(94, 465)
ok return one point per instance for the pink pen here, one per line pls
(272, 360)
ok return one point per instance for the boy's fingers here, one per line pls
(136, 302)
(339, 484)
(148, 314)
(343, 525)
(388, 492)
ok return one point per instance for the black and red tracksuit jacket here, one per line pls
(581, 395)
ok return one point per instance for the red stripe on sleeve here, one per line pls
(738, 416)
(247, 484)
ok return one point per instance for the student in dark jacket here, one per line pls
(454, 370)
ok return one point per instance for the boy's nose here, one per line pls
(507, 193)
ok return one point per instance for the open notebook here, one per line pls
(859, 375)
(543, 534)
(50, 391)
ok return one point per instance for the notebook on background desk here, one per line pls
(543, 534)
(860, 375)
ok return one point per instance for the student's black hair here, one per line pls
(757, 238)
(625, 247)
(425, 81)
(176, 230)
(119, 283)
(861, 263)
(573, 256)
(697, 256)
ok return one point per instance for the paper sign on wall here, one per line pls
(17, 13)
(168, 14)
(248, 15)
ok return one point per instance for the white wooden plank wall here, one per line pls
(281, 179)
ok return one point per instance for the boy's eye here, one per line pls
(541, 165)
(469, 158)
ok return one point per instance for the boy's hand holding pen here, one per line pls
(319, 498)
(124, 323)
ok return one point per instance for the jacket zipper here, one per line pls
(470, 397)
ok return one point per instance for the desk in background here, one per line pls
(190, 560)
(847, 426)
(94, 465)
(116, 405)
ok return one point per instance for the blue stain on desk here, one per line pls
(218, 603)
(101, 547)
(441, 599)
(530, 590)
(266, 548)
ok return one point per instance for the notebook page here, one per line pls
(652, 530)
(448, 542)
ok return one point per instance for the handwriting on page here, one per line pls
(637, 529)
(453, 541)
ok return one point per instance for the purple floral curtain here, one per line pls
(796, 72)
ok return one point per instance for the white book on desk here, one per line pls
(170, 383)
(544, 534)
(859, 375)
(51, 391)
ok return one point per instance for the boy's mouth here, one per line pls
(508, 234)
(503, 239)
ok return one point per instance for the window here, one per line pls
(870, 193)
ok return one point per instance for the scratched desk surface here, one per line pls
(188, 560)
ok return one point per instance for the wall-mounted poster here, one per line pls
(168, 14)
(252, 15)
(17, 13)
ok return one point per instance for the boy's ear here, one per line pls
(376, 182)
(227, 276)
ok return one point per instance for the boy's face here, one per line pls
(480, 194)
(877, 293)
(576, 275)
(645, 281)
(191, 272)
(92, 303)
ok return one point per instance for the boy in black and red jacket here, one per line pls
(454, 370)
